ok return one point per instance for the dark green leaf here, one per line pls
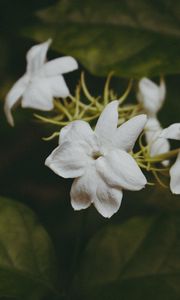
(136, 260)
(27, 262)
(133, 38)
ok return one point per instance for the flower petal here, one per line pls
(36, 57)
(108, 199)
(120, 170)
(68, 160)
(151, 95)
(59, 66)
(79, 132)
(38, 95)
(13, 97)
(157, 145)
(83, 189)
(90, 188)
(171, 132)
(107, 123)
(58, 86)
(175, 176)
(127, 134)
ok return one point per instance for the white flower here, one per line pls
(157, 145)
(152, 96)
(42, 81)
(99, 160)
(173, 132)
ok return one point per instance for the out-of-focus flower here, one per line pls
(152, 96)
(173, 132)
(42, 81)
(99, 160)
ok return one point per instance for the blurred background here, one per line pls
(136, 254)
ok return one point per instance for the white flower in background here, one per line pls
(173, 132)
(42, 81)
(152, 96)
(99, 160)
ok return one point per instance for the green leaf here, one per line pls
(136, 260)
(27, 262)
(133, 38)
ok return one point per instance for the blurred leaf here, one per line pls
(133, 38)
(27, 262)
(138, 260)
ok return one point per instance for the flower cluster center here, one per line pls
(96, 155)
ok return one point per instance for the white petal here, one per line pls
(120, 170)
(83, 189)
(58, 86)
(150, 95)
(13, 97)
(175, 176)
(68, 160)
(79, 132)
(36, 57)
(127, 134)
(171, 132)
(108, 199)
(59, 66)
(38, 95)
(157, 145)
(153, 125)
(107, 123)
(90, 188)
(41, 91)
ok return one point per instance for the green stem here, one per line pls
(62, 108)
(126, 93)
(106, 88)
(164, 156)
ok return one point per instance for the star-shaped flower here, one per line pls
(152, 97)
(99, 160)
(173, 132)
(42, 81)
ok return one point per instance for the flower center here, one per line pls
(96, 155)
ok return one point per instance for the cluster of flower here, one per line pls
(102, 160)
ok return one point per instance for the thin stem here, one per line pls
(126, 93)
(106, 88)
(128, 108)
(91, 118)
(159, 180)
(77, 102)
(52, 136)
(85, 90)
(82, 105)
(164, 156)
(63, 109)
(50, 121)
(88, 95)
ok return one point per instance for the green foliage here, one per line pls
(133, 38)
(27, 262)
(136, 260)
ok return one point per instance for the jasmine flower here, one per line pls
(99, 160)
(152, 96)
(173, 132)
(42, 81)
